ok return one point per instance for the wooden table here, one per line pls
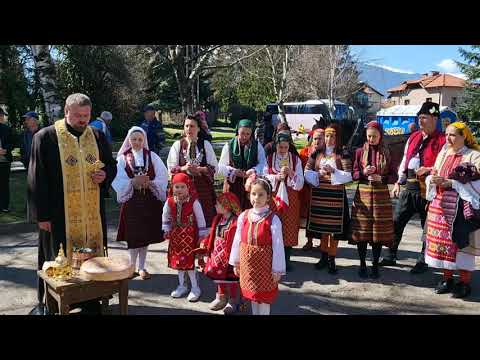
(76, 290)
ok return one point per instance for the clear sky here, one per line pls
(411, 58)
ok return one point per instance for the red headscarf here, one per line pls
(185, 179)
(378, 127)
(230, 202)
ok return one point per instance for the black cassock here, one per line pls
(45, 190)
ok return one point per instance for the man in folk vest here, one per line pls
(420, 153)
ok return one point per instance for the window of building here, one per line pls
(406, 102)
(429, 99)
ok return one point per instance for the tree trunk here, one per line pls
(46, 72)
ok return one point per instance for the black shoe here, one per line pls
(40, 309)
(419, 268)
(374, 274)
(363, 273)
(323, 262)
(444, 286)
(332, 267)
(461, 290)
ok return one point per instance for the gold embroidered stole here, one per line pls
(83, 226)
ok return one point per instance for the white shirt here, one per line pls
(413, 164)
(173, 159)
(278, 259)
(123, 186)
(295, 182)
(338, 177)
(226, 170)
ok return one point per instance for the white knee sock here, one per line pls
(255, 306)
(133, 257)
(193, 278)
(142, 256)
(264, 309)
(181, 277)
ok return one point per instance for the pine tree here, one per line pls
(470, 108)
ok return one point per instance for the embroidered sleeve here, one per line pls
(211, 157)
(158, 186)
(278, 261)
(173, 158)
(224, 167)
(402, 177)
(262, 161)
(166, 218)
(200, 218)
(235, 252)
(468, 192)
(297, 181)
(311, 177)
(122, 184)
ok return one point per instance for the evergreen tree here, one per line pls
(470, 108)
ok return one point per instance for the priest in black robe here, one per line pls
(45, 183)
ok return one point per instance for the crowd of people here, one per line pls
(242, 239)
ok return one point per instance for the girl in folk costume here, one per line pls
(329, 216)
(316, 140)
(218, 246)
(241, 157)
(453, 220)
(284, 169)
(141, 187)
(183, 223)
(195, 156)
(257, 251)
(372, 216)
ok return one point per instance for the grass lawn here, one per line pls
(18, 198)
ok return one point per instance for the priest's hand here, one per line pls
(45, 225)
(276, 276)
(99, 176)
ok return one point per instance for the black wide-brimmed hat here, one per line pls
(429, 108)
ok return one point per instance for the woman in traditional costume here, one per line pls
(257, 251)
(241, 157)
(218, 246)
(194, 156)
(372, 215)
(329, 216)
(184, 224)
(285, 173)
(141, 187)
(453, 220)
(316, 140)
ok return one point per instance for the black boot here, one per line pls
(444, 286)
(288, 264)
(323, 261)
(461, 290)
(332, 267)
(419, 268)
(390, 259)
(362, 272)
(374, 274)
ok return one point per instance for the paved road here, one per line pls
(304, 291)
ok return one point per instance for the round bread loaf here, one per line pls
(107, 268)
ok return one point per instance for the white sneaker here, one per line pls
(179, 291)
(194, 294)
